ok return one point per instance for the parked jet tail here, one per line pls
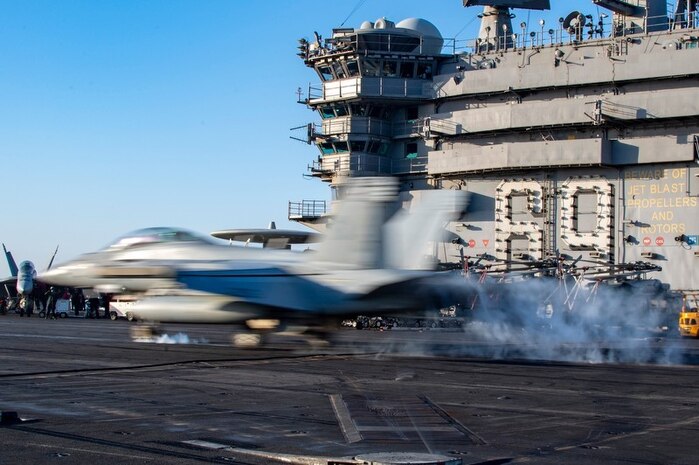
(10, 262)
(53, 257)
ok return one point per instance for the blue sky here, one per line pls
(123, 114)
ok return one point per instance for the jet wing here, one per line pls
(10, 280)
(8, 285)
(308, 290)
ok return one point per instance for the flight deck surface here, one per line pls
(86, 394)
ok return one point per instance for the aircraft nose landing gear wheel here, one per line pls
(247, 340)
(144, 332)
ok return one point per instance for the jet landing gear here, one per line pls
(144, 332)
(255, 333)
(258, 333)
(247, 340)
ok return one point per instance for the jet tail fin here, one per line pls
(52, 259)
(355, 237)
(361, 237)
(10, 261)
(411, 233)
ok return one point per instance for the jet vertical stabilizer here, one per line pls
(53, 257)
(355, 237)
(10, 261)
(408, 235)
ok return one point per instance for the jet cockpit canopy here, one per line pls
(26, 267)
(149, 236)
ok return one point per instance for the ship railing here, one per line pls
(369, 87)
(408, 128)
(383, 43)
(538, 35)
(409, 165)
(356, 125)
(363, 163)
(307, 209)
(424, 127)
(615, 110)
(542, 36)
(314, 92)
(351, 163)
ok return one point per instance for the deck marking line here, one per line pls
(453, 421)
(206, 444)
(344, 419)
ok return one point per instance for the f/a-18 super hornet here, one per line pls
(373, 259)
(22, 277)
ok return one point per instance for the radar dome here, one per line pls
(422, 26)
(367, 25)
(432, 38)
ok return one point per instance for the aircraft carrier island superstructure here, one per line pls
(574, 139)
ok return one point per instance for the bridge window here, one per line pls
(407, 69)
(325, 73)
(341, 147)
(326, 112)
(374, 146)
(390, 68)
(378, 111)
(326, 148)
(357, 145)
(358, 109)
(352, 68)
(372, 67)
(341, 110)
(424, 70)
(411, 150)
(331, 111)
(404, 44)
(339, 70)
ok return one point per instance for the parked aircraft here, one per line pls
(365, 263)
(270, 237)
(22, 277)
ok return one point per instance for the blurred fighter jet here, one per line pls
(365, 263)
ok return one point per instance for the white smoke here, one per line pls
(178, 338)
(571, 321)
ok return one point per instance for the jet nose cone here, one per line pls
(25, 287)
(78, 273)
(55, 276)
